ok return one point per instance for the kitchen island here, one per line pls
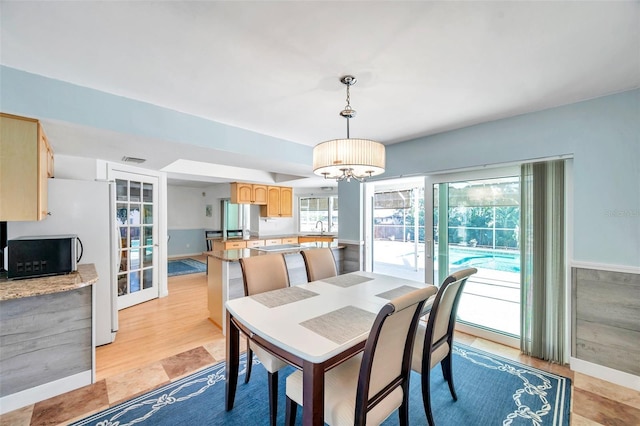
(225, 276)
(46, 336)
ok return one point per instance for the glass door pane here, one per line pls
(398, 228)
(136, 205)
(475, 224)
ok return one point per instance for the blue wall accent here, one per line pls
(602, 135)
(185, 242)
(40, 97)
(350, 211)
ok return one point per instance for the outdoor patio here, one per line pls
(491, 297)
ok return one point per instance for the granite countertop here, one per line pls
(269, 237)
(27, 287)
(236, 254)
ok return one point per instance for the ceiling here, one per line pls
(423, 67)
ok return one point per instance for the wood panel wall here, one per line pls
(606, 318)
(44, 338)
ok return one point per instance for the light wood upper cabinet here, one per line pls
(279, 202)
(247, 193)
(26, 161)
(286, 201)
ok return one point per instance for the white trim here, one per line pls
(489, 335)
(45, 391)
(605, 373)
(568, 245)
(490, 166)
(108, 168)
(605, 267)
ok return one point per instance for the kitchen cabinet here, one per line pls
(26, 161)
(279, 202)
(47, 336)
(290, 240)
(255, 243)
(248, 193)
(229, 244)
(273, 242)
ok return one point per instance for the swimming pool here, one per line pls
(485, 258)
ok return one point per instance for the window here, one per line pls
(318, 209)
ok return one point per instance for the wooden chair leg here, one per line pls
(290, 414)
(249, 363)
(426, 397)
(403, 411)
(273, 397)
(447, 372)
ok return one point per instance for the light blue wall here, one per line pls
(35, 96)
(185, 242)
(350, 211)
(603, 135)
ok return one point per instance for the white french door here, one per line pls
(136, 206)
(472, 220)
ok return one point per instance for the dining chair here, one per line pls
(369, 387)
(207, 240)
(259, 274)
(434, 341)
(320, 263)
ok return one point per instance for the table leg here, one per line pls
(312, 394)
(233, 360)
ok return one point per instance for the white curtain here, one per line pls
(542, 237)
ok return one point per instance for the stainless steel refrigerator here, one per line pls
(85, 208)
(234, 219)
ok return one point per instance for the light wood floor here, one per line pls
(167, 338)
(160, 328)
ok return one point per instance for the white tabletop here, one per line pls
(281, 325)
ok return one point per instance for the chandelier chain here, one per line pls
(348, 107)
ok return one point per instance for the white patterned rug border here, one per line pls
(183, 389)
(523, 411)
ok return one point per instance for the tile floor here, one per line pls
(594, 402)
(77, 404)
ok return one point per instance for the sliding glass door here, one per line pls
(475, 223)
(398, 228)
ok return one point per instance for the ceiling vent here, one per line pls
(133, 160)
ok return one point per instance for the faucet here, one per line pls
(321, 227)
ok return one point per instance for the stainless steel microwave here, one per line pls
(37, 256)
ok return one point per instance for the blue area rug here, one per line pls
(185, 266)
(491, 391)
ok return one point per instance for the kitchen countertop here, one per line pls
(27, 287)
(236, 254)
(269, 237)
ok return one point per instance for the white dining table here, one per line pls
(313, 326)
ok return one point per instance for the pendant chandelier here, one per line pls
(346, 159)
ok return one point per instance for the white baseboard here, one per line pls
(605, 373)
(46, 391)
